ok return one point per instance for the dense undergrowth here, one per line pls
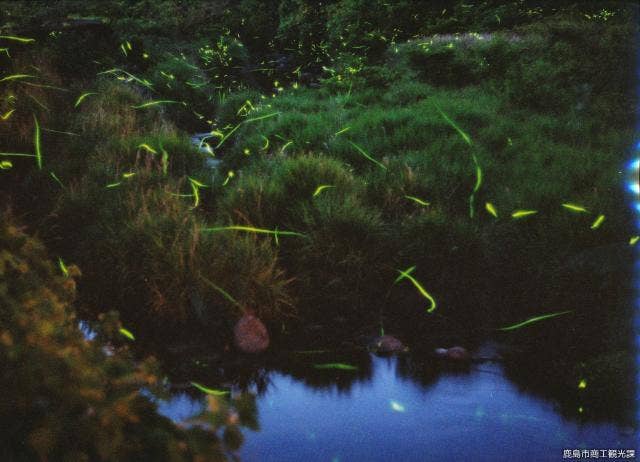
(347, 156)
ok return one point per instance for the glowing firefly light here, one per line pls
(157, 102)
(5, 165)
(16, 77)
(7, 114)
(230, 174)
(126, 333)
(321, 188)
(251, 229)
(57, 180)
(596, 224)
(582, 384)
(266, 143)
(417, 200)
(523, 213)
(533, 320)
(362, 151)
(63, 267)
(338, 366)
(17, 39)
(147, 148)
(407, 274)
(209, 391)
(491, 209)
(575, 208)
(82, 97)
(220, 290)
(36, 142)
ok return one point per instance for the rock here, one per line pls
(250, 335)
(440, 352)
(456, 353)
(386, 344)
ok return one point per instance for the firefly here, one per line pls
(63, 268)
(339, 366)
(596, 224)
(55, 177)
(533, 320)
(157, 102)
(407, 274)
(36, 142)
(523, 213)
(147, 148)
(418, 200)
(321, 188)
(126, 333)
(230, 174)
(575, 208)
(362, 151)
(491, 209)
(7, 114)
(16, 77)
(209, 391)
(251, 229)
(17, 39)
(82, 97)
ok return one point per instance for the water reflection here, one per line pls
(406, 408)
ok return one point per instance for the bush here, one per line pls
(63, 397)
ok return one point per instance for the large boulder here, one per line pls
(250, 335)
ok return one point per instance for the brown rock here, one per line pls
(387, 344)
(458, 353)
(250, 335)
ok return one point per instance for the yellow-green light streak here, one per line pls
(157, 102)
(321, 188)
(417, 200)
(209, 391)
(533, 320)
(598, 222)
(17, 39)
(362, 151)
(63, 267)
(126, 333)
(491, 209)
(465, 137)
(406, 274)
(575, 208)
(82, 97)
(36, 142)
(221, 291)
(16, 77)
(251, 229)
(7, 114)
(523, 213)
(338, 366)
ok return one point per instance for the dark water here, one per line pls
(394, 411)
